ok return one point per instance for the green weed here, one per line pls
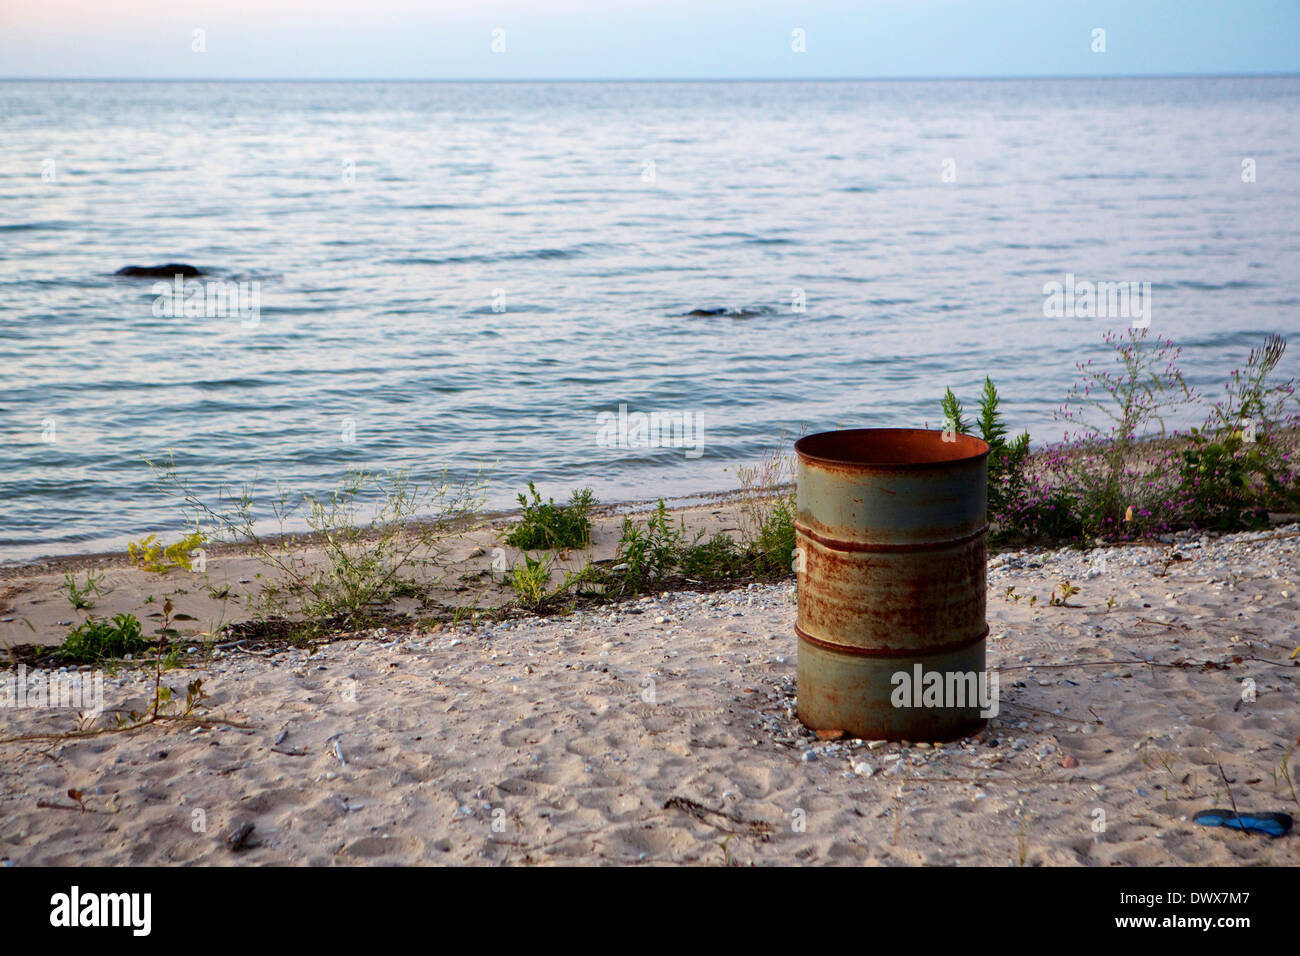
(97, 640)
(529, 580)
(546, 525)
(374, 531)
(82, 597)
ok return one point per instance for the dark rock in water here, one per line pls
(160, 272)
(730, 313)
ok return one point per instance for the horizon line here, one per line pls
(664, 79)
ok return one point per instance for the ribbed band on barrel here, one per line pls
(928, 651)
(838, 544)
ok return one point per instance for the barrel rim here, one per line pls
(801, 446)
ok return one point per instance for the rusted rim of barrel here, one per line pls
(886, 449)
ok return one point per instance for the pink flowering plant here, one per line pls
(1120, 473)
(1119, 478)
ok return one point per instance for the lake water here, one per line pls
(453, 274)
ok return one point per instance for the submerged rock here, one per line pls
(160, 272)
(728, 313)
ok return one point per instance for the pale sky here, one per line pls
(643, 39)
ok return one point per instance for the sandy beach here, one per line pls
(662, 731)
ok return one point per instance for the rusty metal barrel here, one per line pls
(892, 565)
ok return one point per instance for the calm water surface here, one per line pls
(389, 224)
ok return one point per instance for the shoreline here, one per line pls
(36, 614)
(1288, 436)
(21, 567)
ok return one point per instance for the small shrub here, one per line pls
(1013, 505)
(1237, 468)
(650, 554)
(97, 640)
(529, 581)
(1041, 514)
(1007, 479)
(716, 559)
(1251, 402)
(1216, 477)
(1111, 410)
(374, 532)
(773, 550)
(767, 506)
(546, 525)
(953, 420)
(83, 597)
(1067, 591)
